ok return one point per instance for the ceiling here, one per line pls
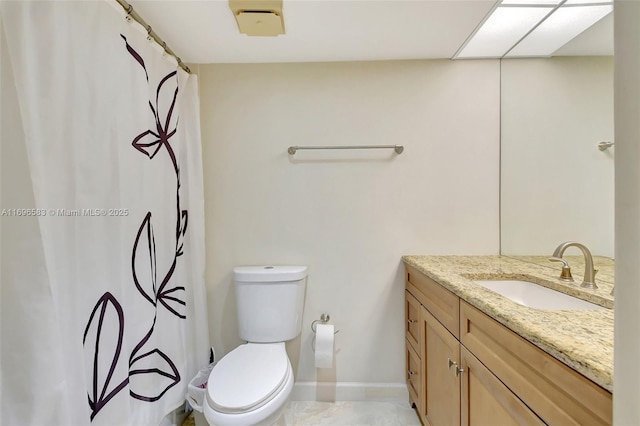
(205, 31)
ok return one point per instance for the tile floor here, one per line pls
(349, 413)
(344, 413)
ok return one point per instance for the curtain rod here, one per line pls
(134, 15)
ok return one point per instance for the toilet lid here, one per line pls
(247, 377)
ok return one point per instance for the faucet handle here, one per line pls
(565, 264)
(565, 275)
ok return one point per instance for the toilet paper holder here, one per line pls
(324, 318)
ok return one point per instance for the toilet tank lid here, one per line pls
(269, 273)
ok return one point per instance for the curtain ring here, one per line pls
(129, 11)
(149, 30)
(182, 65)
(164, 48)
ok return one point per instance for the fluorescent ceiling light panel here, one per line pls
(531, 2)
(558, 29)
(586, 1)
(501, 30)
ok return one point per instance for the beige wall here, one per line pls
(556, 185)
(348, 215)
(626, 383)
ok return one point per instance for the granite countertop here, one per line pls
(583, 340)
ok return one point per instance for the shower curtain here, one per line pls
(103, 305)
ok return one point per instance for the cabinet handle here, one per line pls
(456, 370)
(411, 373)
(451, 363)
(411, 321)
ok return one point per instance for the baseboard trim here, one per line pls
(350, 391)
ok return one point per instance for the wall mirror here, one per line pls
(556, 184)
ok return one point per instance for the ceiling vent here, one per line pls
(258, 17)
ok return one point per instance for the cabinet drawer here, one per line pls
(412, 323)
(442, 304)
(414, 377)
(555, 392)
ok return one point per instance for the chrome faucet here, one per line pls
(589, 272)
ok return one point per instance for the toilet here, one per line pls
(252, 383)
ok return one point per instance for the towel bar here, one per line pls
(397, 148)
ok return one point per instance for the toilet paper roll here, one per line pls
(324, 346)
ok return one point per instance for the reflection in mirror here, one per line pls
(556, 185)
(604, 265)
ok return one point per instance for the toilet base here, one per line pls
(272, 420)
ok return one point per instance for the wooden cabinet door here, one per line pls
(486, 400)
(441, 353)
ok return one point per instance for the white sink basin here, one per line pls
(536, 296)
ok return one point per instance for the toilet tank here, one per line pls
(270, 300)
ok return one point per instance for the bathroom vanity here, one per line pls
(476, 357)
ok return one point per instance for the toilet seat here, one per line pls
(248, 377)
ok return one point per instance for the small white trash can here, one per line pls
(196, 393)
